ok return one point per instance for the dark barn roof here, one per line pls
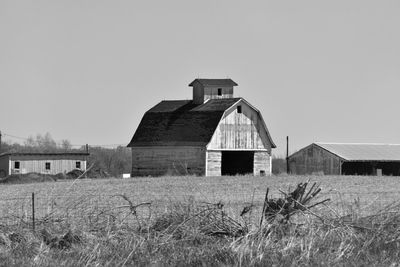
(214, 82)
(180, 123)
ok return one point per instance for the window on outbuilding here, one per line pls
(219, 91)
(47, 166)
(78, 164)
(239, 109)
(16, 165)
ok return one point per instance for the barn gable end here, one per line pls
(313, 159)
(241, 131)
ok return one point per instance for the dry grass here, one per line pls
(234, 191)
(196, 221)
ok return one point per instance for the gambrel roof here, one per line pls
(182, 123)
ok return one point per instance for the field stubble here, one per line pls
(103, 213)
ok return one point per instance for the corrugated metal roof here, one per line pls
(363, 152)
(215, 82)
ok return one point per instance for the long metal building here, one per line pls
(45, 163)
(346, 159)
(213, 134)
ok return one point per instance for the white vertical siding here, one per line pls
(262, 162)
(58, 164)
(212, 92)
(214, 159)
(243, 131)
(39, 166)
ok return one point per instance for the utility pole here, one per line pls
(287, 155)
(0, 141)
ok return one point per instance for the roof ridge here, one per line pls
(170, 100)
(219, 82)
(334, 143)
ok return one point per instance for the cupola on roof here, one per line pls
(206, 89)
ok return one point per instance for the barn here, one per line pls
(45, 163)
(213, 134)
(347, 159)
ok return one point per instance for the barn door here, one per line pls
(237, 162)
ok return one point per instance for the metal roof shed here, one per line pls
(347, 159)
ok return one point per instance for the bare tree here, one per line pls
(66, 144)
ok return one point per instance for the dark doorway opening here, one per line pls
(237, 162)
(371, 168)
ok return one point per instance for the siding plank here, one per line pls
(168, 160)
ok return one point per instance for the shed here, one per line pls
(347, 159)
(45, 163)
(213, 134)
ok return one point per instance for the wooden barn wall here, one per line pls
(38, 164)
(240, 131)
(314, 160)
(168, 160)
(200, 93)
(262, 163)
(212, 92)
(214, 163)
(4, 169)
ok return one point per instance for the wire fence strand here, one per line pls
(91, 209)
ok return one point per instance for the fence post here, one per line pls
(33, 211)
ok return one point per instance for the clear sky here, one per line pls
(88, 70)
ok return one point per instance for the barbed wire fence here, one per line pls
(35, 210)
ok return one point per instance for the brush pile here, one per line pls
(90, 173)
(297, 200)
(208, 219)
(211, 220)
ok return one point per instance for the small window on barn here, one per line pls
(16, 165)
(219, 91)
(78, 164)
(239, 109)
(47, 166)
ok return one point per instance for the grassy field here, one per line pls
(111, 232)
(235, 191)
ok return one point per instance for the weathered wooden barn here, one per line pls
(346, 159)
(214, 134)
(46, 163)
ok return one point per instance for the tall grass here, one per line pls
(191, 233)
